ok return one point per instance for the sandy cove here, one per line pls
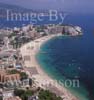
(34, 70)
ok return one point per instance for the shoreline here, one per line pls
(41, 78)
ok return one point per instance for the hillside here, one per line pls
(4, 7)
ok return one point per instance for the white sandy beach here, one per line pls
(28, 52)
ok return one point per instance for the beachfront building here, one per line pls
(27, 28)
(66, 30)
(11, 79)
(16, 30)
(11, 59)
(13, 98)
(7, 60)
(33, 98)
(33, 34)
(7, 77)
(55, 29)
(4, 64)
(7, 94)
(5, 32)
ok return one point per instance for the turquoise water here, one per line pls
(72, 57)
(59, 62)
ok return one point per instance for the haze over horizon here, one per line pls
(83, 6)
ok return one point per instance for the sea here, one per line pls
(67, 57)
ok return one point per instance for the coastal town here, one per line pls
(21, 77)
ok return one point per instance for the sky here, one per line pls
(64, 5)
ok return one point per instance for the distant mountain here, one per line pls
(4, 7)
(14, 7)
